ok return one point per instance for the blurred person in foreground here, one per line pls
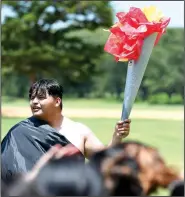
(112, 171)
(59, 172)
(177, 188)
(146, 165)
(29, 139)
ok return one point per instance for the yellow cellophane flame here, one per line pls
(152, 13)
(123, 60)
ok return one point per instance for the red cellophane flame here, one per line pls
(127, 35)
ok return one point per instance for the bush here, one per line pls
(176, 99)
(160, 98)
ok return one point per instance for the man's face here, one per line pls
(43, 106)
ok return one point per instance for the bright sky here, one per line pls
(173, 9)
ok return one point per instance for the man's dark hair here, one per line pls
(44, 86)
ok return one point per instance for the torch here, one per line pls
(132, 39)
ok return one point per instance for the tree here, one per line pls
(36, 41)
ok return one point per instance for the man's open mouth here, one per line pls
(36, 108)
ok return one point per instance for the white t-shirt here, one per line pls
(75, 132)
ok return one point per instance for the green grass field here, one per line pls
(166, 135)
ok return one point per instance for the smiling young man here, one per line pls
(28, 140)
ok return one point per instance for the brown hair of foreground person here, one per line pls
(153, 172)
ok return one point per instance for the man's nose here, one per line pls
(35, 100)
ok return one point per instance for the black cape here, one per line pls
(24, 144)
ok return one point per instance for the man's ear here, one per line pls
(58, 101)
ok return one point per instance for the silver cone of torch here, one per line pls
(135, 73)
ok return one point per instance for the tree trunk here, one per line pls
(32, 78)
(144, 94)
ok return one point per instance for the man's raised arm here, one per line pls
(93, 144)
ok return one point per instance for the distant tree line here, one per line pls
(65, 40)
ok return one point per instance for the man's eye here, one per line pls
(41, 97)
(38, 97)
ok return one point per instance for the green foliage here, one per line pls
(176, 99)
(37, 42)
(65, 40)
(166, 67)
(160, 98)
(15, 85)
